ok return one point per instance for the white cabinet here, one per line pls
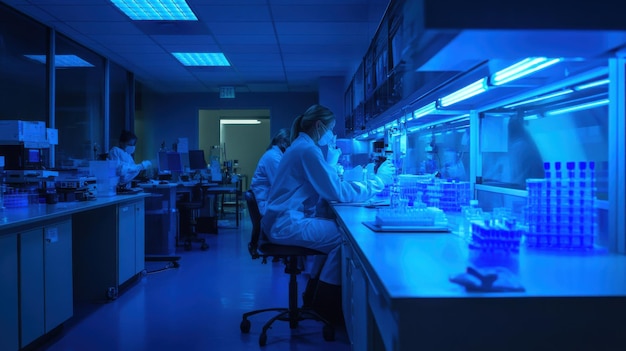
(45, 279)
(109, 249)
(131, 240)
(354, 291)
(8, 293)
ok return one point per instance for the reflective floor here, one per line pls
(197, 306)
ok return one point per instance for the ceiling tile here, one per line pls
(232, 13)
(246, 39)
(316, 13)
(245, 28)
(327, 28)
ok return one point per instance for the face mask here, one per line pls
(326, 138)
(129, 149)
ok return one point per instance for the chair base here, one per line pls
(287, 315)
(293, 314)
(188, 240)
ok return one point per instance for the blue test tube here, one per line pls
(546, 169)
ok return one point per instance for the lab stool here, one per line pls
(189, 213)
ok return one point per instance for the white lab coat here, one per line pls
(127, 169)
(264, 175)
(293, 216)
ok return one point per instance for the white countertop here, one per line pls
(13, 217)
(418, 265)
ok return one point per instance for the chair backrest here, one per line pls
(197, 194)
(255, 217)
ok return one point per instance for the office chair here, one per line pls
(259, 248)
(189, 211)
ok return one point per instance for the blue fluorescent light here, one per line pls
(473, 89)
(62, 60)
(425, 110)
(531, 117)
(578, 107)
(413, 129)
(201, 58)
(542, 97)
(521, 69)
(592, 84)
(156, 10)
(363, 136)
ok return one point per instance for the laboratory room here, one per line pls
(312, 175)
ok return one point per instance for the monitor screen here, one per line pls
(34, 155)
(197, 160)
(174, 162)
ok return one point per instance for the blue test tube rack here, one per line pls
(561, 207)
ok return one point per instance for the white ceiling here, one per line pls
(273, 45)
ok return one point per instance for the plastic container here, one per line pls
(107, 186)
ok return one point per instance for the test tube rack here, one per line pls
(561, 207)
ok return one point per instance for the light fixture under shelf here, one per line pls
(522, 68)
(542, 97)
(479, 86)
(579, 107)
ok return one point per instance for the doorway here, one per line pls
(245, 143)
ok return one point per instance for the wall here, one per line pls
(331, 92)
(248, 153)
(166, 117)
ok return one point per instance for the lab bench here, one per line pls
(54, 255)
(397, 295)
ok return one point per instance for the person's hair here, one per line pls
(282, 138)
(127, 136)
(307, 120)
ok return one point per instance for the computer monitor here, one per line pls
(170, 161)
(174, 162)
(197, 162)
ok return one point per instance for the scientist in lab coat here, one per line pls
(127, 169)
(298, 201)
(265, 172)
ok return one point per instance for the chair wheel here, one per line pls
(245, 326)
(262, 339)
(329, 333)
(204, 247)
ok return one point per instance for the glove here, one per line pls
(386, 171)
(354, 175)
(339, 169)
(332, 155)
(146, 164)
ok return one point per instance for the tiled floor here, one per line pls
(197, 306)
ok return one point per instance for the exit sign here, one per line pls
(227, 92)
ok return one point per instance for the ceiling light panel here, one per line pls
(62, 60)
(201, 58)
(156, 10)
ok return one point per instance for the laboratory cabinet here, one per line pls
(108, 249)
(131, 239)
(8, 293)
(45, 278)
(354, 296)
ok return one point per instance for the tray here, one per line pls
(405, 228)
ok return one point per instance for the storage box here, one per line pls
(23, 131)
(103, 169)
(107, 186)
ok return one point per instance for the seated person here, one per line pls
(297, 205)
(127, 169)
(265, 172)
